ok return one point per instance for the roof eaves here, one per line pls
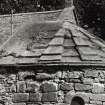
(56, 64)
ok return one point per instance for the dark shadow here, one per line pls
(25, 6)
(90, 15)
(77, 101)
(2, 102)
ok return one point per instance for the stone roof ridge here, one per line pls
(89, 46)
(67, 13)
(74, 44)
(77, 31)
(55, 47)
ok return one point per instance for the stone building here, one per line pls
(61, 64)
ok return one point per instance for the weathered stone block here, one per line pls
(64, 74)
(82, 87)
(91, 73)
(2, 81)
(59, 74)
(20, 97)
(12, 77)
(96, 102)
(96, 80)
(98, 88)
(49, 97)
(9, 81)
(2, 89)
(23, 75)
(13, 88)
(68, 97)
(89, 104)
(61, 104)
(21, 86)
(102, 80)
(60, 96)
(19, 103)
(74, 75)
(49, 87)
(32, 104)
(47, 103)
(32, 86)
(2, 77)
(56, 80)
(73, 80)
(87, 81)
(101, 74)
(98, 97)
(10, 89)
(66, 86)
(35, 97)
(43, 76)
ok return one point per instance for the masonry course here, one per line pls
(51, 91)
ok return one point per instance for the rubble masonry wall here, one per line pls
(52, 87)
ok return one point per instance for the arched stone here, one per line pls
(77, 101)
(71, 95)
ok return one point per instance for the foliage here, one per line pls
(19, 6)
(91, 13)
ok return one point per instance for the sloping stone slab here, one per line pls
(50, 58)
(57, 41)
(70, 52)
(53, 50)
(71, 59)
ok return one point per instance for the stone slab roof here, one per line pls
(64, 43)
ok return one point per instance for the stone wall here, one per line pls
(52, 86)
(23, 18)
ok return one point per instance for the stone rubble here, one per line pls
(56, 90)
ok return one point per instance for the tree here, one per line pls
(20, 6)
(92, 14)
